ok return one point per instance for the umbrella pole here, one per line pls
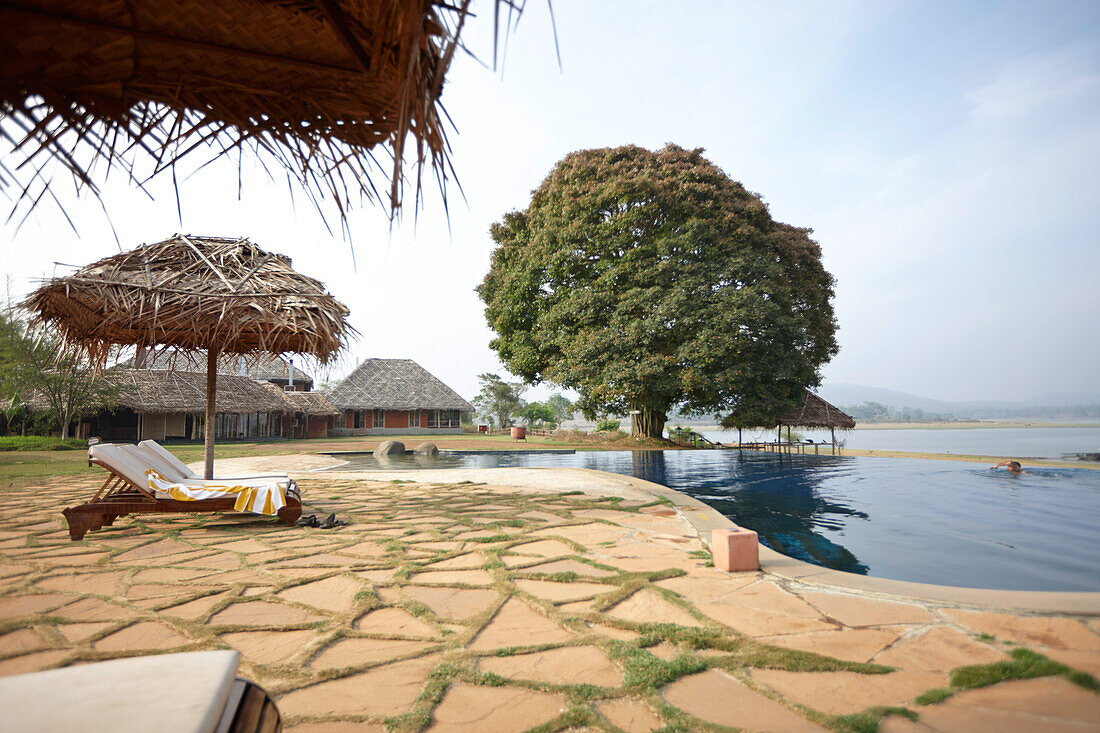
(211, 410)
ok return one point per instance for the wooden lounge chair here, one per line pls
(126, 491)
(173, 467)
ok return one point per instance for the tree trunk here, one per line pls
(211, 410)
(64, 427)
(645, 422)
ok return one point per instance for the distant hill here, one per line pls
(1047, 405)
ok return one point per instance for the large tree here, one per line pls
(648, 280)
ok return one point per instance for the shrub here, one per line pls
(607, 425)
(39, 442)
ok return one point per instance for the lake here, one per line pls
(1023, 442)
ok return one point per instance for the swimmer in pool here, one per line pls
(1012, 466)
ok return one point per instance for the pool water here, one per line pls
(926, 521)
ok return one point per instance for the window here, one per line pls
(414, 418)
(379, 418)
(443, 419)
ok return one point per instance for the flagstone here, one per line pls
(22, 640)
(585, 534)
(268, 647)
(648, 607)
(717, 697)
(376, 576)
(841, 693)
(1084, 661)
(167, 575)
(544, 548)
(459, 562)
(215, 561)
(322, 559)
(168, 596)
(440, 545)
(633, 716)
(79, 632)
(546, 517)
(196, 609)
(104, 584)
(565, 666)
(455, 603)
(394, 622)
(576, 606)
(257, 590)
(70, 560)
(755, 622)
(331, 594)
(499, 709)
(852, 610)
(1047, 703)
(469, 577)
(853, 645)
(569, 566)
(940, 649)
(154, 549)
(246, 546)
(233, 577)
(1060, 633)
(615, 632)
(364, 549)
(93, 609)
(10, 569)
(696, 588)
(554, 591)
(142, 635)
(32, 662)
(386, 690)
(262, 613)
(356, 652)
(517, 624)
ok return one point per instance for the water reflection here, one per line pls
(649, 465)
(784, 500)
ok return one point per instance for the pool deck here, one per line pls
(498, 600)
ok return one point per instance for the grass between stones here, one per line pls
(1024, 665)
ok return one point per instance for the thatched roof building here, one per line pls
(815, 412)
(313, 87)
(278, 370)
(397, 395)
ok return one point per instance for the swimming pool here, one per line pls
(926, 521)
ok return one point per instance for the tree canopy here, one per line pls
(648, 280)
(498, 400)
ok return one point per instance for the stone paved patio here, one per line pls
(467, 607)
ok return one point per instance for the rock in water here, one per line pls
(426, 449)
(390, 448)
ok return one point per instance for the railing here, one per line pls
(782, 447)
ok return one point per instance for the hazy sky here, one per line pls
(946, 155)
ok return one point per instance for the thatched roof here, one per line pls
(394, 384)
(815, 412)
(261, 367)
(313, 404)
(193, 293)
(156, 391)
(310, 85)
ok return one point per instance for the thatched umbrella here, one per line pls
(217, 295)
(815, 412)
(312, 85)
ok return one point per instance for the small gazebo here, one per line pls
(815, 413)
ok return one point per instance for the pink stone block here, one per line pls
(735, 550)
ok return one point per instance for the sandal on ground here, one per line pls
(331, 521)
(310, 521)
